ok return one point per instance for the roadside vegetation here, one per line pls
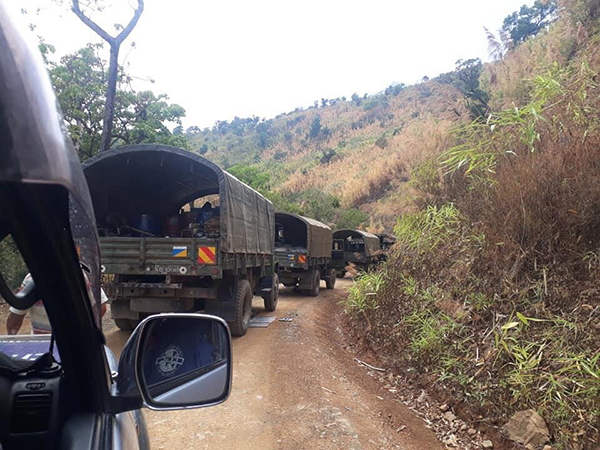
(492, 292)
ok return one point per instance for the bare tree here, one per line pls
(113, 68)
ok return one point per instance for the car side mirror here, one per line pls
(183, 361)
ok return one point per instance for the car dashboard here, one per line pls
(31, 387)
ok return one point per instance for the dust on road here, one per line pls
(294, 387)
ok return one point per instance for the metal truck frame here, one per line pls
(303, 253)
(355, 247)
(152, 274)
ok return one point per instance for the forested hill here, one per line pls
(343, 161)
(348, 161)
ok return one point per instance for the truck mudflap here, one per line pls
(265, 291)
(223, 304)
(225, 310)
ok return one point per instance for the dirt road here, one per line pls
(294, 387)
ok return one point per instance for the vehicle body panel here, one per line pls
(354, 246)
(306, 234)
(303, 247)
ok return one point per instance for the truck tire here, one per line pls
(272, 297)
(243, 309)
(316, 284)
(331, 278)
(125, 324)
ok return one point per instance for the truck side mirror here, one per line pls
(183, 361)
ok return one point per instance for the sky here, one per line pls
(226, 58)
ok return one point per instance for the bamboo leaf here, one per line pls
(509, 325)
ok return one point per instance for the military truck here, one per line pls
(303, 253)
(160, 253)
(386, 241)
(354, 247)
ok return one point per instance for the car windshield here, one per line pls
(85, 238)
(26, 333)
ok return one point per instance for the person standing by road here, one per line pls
(40, 324)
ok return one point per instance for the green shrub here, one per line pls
(381, 141)
(351, 218)
(429, 331)
(362, 294)
(425, 230)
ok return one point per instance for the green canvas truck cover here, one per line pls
(371, 241)
(159, 179)
(317, 236)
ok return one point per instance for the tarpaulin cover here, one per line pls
(158, 180)
(317, 236)
(371, 241)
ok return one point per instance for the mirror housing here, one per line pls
(177, 361)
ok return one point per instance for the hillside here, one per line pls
(346, 161)
(489, 177)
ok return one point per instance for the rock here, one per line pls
(451, 440)
(422, 398)
(444, 407)
(463, 427)
(471, 431)
(547, 447)
(527, 427)
(487, 444)
(449, 416)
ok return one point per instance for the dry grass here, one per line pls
(541, 202)
(493, 291)
(363, 173)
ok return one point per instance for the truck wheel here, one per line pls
(272, 297)
(243, 309)
(316, 284)
(331, 278)
(124, 324)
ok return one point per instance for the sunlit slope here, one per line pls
(360, 151)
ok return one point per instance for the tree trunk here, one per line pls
(111, 90)
(113, 68)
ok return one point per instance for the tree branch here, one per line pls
(103, 34)
(91, 24)
(132, 23)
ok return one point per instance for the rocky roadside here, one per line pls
(525, 430)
